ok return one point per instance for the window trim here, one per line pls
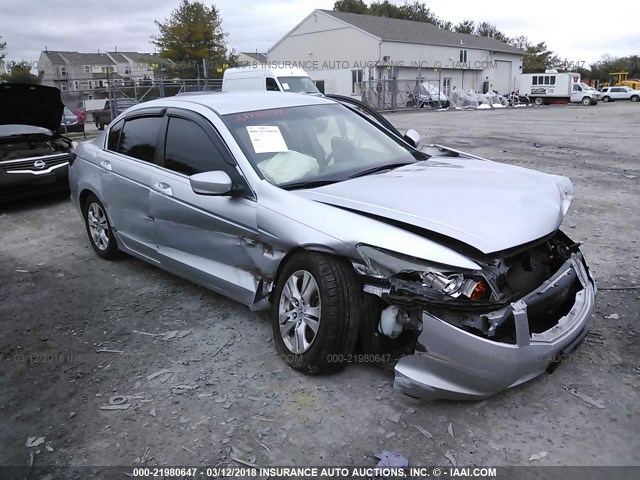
(147, 112)
(214, 135)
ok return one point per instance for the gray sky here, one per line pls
(577, 31)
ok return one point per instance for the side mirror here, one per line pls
(412, 137)
(211, 183)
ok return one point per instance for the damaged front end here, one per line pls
(471, 334)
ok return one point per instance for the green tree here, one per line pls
(191, 34)
(538, 58)
(20, 72)
(351, 6)
(486, 29)
(465, 26)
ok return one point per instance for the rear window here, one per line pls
(139, 138)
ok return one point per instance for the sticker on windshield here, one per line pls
(285, 85)
(267, 139)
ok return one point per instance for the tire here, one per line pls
(606, 99)
(99, 229)
(326, 288)
(635, 98)
(99, 124)
(538, 101)
(586, 101)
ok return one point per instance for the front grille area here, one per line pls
(13, 165)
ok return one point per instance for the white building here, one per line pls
(340, 50)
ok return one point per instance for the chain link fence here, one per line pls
(140, 91)
(403, 94)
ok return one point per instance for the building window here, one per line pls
(64, 86)
(76, 85)
(356, 82)
(446, 86)
(63, 71)
(127, 69)
(100, 83)
(463, 56)
(90, 85)
(87, 69)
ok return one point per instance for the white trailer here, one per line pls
(554, 87)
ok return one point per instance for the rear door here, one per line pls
(127, 165)
(208, 239)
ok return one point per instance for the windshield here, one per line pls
(586, 87)
(291, 147)
(298, 84)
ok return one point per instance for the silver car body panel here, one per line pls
(235, 245)
(462, 366)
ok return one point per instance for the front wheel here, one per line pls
(635, 98)
(586, 101)
(606, 99)
(315, 313)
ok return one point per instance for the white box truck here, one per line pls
(268, 78)
(553, 87)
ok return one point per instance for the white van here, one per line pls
(268, 78)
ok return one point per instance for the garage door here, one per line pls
(502, 77)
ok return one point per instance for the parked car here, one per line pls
(33, 158)
(363, 246)
(103, 117)
(70, 122)
(610, 94)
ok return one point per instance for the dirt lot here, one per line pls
(217, 389)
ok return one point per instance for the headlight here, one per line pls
(440, 278)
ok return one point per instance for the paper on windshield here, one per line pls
(267, 139)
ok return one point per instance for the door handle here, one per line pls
(106, 165)
(163, 188)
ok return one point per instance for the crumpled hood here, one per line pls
(36, 105)
(488, 205)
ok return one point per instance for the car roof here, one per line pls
(224, 103)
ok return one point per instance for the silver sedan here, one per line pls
(364, 244)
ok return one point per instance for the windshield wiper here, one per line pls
(380, 168)
(309, 184)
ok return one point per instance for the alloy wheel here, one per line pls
(299, 312)
(98, 226)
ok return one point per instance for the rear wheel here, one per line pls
(538, 101)
(315, 314)
(99, 124)
(99, 229)
(586, 101)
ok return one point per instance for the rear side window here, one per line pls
(139, 138)
(189, 150)
(114, 136)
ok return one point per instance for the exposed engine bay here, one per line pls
(29, 146)
(478, 302)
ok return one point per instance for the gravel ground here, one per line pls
(201, 377)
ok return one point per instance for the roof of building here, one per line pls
(77, 58)
(258, 57)
(146, 57)
(408, 31)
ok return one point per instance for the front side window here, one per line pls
(314, 143)
(189, 150)
(139, 138)
(271, 85)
